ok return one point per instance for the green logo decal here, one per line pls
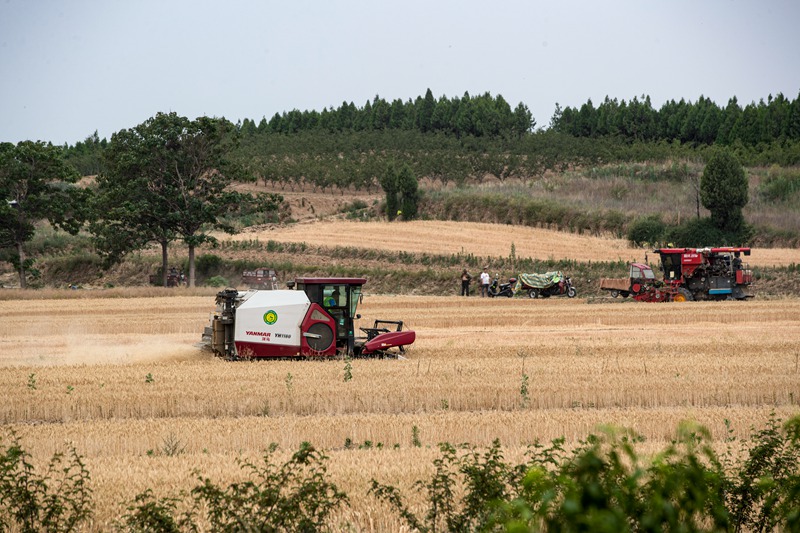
(270, 317)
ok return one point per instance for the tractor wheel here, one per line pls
(614, 294)
(533, 293)
(683, 295)
(572, 292)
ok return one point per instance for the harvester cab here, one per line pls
(315, 317)
(339, 297)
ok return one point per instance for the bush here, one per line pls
(699, 232)
(646, 230)
(780, 186)
(217, 281)
(207, 264)
(606, 485)
(59, 500)
(294, 496)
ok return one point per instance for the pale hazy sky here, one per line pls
(68, 68)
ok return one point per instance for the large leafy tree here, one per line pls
(723, 191)
(35, 184)
(170, 178)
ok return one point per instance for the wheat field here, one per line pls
(122, 379)
(480, 239)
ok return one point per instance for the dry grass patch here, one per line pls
(447, 237)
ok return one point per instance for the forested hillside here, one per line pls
(622, 168)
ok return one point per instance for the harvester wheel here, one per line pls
(533, 293)
(683, 295)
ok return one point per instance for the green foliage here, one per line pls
(35, 184)
(169, 178)
(483, 480)
(87, 156)
(524, 393)
(764, 492)
(699, 232)
(57, 500)
(415, 442)
(753, 127)
(148, 514)
(606, 485)
(208, 264)
(293, 496)
(401, 188)
(217, 281)
(348, 369)
(724, 191)
(646, 230)
(388, 182)
(782, 185)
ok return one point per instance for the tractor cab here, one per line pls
(642, 273)
(339, 297)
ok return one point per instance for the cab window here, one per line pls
(355, 296)
(334, 296)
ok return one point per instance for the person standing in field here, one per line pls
(465, 279)
(485, 280)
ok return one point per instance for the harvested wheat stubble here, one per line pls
(122, 379)
(480, 239)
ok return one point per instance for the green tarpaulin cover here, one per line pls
(539, 281)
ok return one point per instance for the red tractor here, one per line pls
(641, 283)
(706, 273)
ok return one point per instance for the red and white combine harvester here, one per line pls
(689, 274)
(314, 317)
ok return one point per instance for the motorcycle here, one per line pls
(502, 289)
(556, 289)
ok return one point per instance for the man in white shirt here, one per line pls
(485, 280)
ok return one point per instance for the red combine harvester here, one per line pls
(313, 318)
(706, 273)
(689, 274)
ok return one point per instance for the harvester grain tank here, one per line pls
(314, 317)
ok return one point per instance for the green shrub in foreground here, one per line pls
(604, 484)
(58, 500)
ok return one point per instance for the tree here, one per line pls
(723, 191)
(388, 181)
(36, 184)
(177, 175)
(408, 188)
